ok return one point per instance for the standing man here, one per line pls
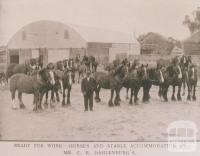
(88, 86)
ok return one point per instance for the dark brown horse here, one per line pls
(113, 81)
(185, 63)
(17, 68)
(58, 76)
(67, 85)
(192, 82)
(35, 85)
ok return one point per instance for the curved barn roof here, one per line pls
(41, 32)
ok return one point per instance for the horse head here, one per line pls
(47, 76)
(68, 76)
(192, 72)
(143, 72)
(60, 65)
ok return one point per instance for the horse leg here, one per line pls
(52, 96)
(110, 103)
(164, 92)
(127, 92)
(36, 101)
(189, 91)
(46, 99)
(63, 100)
(173, 92)
(68, 96)
(179, 93)
(131, 97)
(57, 96)
(117, 97)
(40, 95)
(97, 90)
(194, 92)
(21, 104)
(136, 95)
(184, 84)
(160, 92)
(145, 94)
(14, 106)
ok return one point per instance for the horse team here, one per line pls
(32, 78)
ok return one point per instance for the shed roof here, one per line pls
(89, 34)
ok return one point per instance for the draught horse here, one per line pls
(35, 85)
(112, 81)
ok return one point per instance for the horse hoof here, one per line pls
(98, 100)
(110, 104)
(194, 98)
(63, 103)
(68, 103)
(34, 109)
(179, 99)
(173, 99)
(188, 98)
(22, 106)
(165, 100)
(136, 103)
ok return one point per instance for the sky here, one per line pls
(130, 16)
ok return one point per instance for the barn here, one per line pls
(54, 41)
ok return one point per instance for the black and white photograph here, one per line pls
(99, 70)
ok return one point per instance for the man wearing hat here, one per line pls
(88, 86)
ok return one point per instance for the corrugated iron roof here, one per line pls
(89, 34)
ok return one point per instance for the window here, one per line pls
(23, 35)
(66, 34)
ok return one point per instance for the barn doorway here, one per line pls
(14, 59)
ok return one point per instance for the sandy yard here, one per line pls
(144, 122)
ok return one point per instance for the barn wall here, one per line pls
(3, 60)
(100, 51)
(24, 54)
(119, 50)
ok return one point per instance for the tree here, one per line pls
(193, 23)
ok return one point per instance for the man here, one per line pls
(88, 86)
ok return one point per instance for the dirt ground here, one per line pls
(144, 122)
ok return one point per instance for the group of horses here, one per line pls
(31, 78)
(133, 75)
(58, 77)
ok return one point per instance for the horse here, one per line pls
(113, 81)
(17, 68)
(185, 63)
(134, 80)
(172, 75)
(80, 71)
(67, 85)
(92, 64)
(3, 80)
(86, 63)
(58, 75)
(192, 82)
(35, 85)
(59, 65)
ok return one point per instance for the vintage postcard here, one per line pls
(99, 77)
